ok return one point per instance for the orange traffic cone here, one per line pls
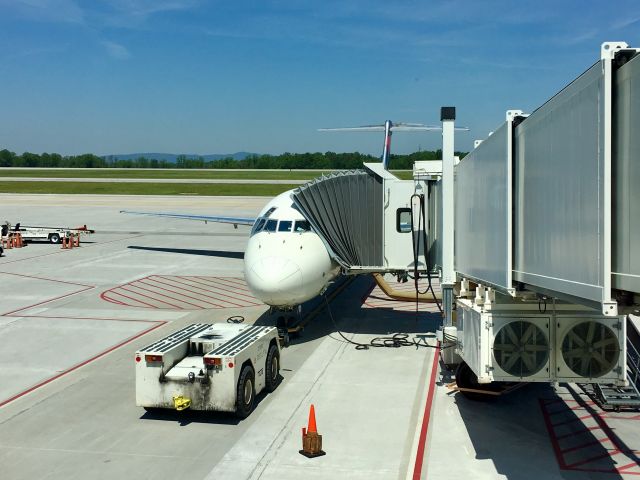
(311, 441)
(77, 240)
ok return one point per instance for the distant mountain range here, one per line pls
(172, 157)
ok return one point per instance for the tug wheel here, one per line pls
(272, 368)
(246, 392)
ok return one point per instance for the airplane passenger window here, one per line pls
(301, 226)
(271, 226)
(285, 226)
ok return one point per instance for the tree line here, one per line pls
(313, 161)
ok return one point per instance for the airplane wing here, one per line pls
(202, 218)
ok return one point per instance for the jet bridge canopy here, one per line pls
(345, 208)
(363, 217)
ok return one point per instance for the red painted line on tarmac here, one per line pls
(137, 285)
(597, 441)
(148, 296)
(627, 466)
(582, 432)
(554, 441)
(218, 287)
(239, 285)
(104, 297)
(209, 293)
(150, 279)
(225, 297)
(218, 283)
(107, 319)
(133, 299)
(592, 459)
(417, 469)
(234, 291)
(181, 285)
(82, 364)
(13, 312)
(54, 280)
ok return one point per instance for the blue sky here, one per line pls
(195, 76)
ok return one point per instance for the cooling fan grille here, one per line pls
(521, 348)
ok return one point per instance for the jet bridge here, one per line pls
(368, 218)
(547, 229)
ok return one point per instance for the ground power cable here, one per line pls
(416, 240)
(396, 340)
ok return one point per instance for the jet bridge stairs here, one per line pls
(622, 398)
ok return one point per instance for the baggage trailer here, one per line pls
(215, 367)
(46, 234)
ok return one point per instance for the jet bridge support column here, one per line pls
(448, 117)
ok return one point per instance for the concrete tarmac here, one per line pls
(71, 320)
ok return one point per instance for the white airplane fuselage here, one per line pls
(285, 263)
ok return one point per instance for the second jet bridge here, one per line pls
(367, 218)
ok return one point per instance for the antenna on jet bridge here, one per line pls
(388, 128)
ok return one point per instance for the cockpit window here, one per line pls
(269, 212)
(301, 226)
(285, 226)
(271, 226)
(258, 225)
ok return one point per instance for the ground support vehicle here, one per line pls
(216, 367)
(46, 234)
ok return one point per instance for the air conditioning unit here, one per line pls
(504, 346)
(591, 349)
(520, 347)
(512, 343)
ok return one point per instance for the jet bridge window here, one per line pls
(285, 226)
(271, 226)
(301, 226)
(403, 220)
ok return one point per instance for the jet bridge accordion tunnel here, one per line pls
(364, 217)
(547, 225)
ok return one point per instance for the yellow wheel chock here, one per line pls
(181, 403)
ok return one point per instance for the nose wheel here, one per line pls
(288, 326)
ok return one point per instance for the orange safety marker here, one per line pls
(77, 242)
(8, 243)
(311, 440)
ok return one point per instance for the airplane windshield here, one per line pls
(264, 224)
(258, 225)
(271, 226)
(285, 226)
(301, 226)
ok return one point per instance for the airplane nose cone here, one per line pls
(275, 280)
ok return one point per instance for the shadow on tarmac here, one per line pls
(345, 314)
(531, 434)
(189, 416)
(191, 251)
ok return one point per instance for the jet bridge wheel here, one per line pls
(467, 383)
(245, 392)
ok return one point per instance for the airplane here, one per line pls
(286, 263)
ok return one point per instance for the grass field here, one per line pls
(173, 174)
(239, 189)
